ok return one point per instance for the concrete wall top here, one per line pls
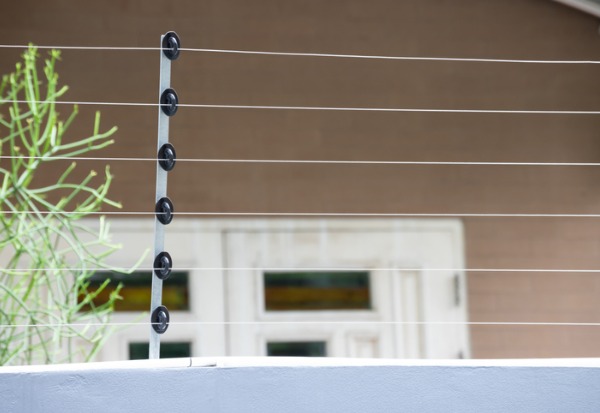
(298, 385)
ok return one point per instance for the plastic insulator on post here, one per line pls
(169, 102)
(167, 157)
(171, 45)
(164, 210)
(162, 265)
(160, 319)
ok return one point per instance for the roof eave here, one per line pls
(587, 6)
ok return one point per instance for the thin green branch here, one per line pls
(48, 238)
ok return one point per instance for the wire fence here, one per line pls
(233, 106)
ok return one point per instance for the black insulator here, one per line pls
(169, 102)
(162, 265)
(171, 45)
(164, 210)
(160, 319)
(167, 157)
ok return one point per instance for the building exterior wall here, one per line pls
(495, 29)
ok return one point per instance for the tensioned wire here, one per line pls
(315, 322)
(309, 214)
(333, 269)
(305, 54)
(304, 161)
(317, 108)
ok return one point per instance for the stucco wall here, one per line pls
(530, 29)
(294, 386)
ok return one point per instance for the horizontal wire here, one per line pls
(306, 54)
(71, 102)
(311, 214)
(175, 268)
(387, 57)
(323, 108)
(314, 322)
(124, 48)
(423, 110)
(305, 161)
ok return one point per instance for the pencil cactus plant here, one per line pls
(47, 254)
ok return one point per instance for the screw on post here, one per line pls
(168, 104)
(162, 265)
(169, 101)
(167, 157)
(164, 210)
(160, 319)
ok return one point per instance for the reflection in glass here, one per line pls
(137, 287)
(296, 349)
(302, 291)
(139, 351)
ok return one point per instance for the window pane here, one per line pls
(348, 290)
(139, 351)
(137, 288)
(297, 349)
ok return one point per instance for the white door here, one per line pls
(405, 297)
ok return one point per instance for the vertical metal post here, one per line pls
(164, 207)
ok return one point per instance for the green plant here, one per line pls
(47, 255)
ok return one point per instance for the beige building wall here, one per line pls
(532, 29)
